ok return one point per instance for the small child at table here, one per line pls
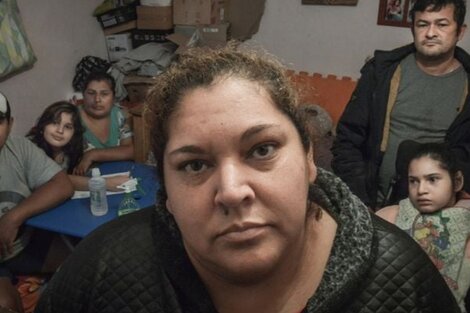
(59, 133)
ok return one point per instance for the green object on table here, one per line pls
(128, 203)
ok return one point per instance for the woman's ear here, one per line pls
(312, 169)
(168, 206)
(458, 181)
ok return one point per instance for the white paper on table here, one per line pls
(132, 183)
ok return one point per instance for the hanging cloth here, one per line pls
(16, 53)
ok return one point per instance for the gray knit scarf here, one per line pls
(350, 258)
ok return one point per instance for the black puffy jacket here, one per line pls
(138, 264)
(357, 152)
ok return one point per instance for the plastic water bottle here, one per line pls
(98, 200)
(128, 203)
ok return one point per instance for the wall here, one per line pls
(314, 38)
(328, 39)
(61, 33)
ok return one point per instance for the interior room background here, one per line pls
(313, 38)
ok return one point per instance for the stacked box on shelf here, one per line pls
(143, 36)
(118, 45)
(117, 16)
(207, 17)
(198, 12)
(154, 23)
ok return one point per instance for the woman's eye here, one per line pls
(263, 151)
(69, 127)
(196, 166)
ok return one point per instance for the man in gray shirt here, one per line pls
(418, 92)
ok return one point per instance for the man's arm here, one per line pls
(48, 195)
(351, 134)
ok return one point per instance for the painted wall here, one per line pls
(329, 39)
(314, 38)
(61, 33)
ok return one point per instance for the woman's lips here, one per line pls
(243, 232)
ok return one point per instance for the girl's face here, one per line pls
(237, 177)
(98, 99)
(430, 186)
(59, 133)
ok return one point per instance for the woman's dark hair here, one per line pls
(437, 5)
(204, 67)
(100, 76)
(74, 149)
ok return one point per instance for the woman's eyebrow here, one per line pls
(192, 149)
(256, 129)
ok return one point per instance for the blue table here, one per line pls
(74, 218)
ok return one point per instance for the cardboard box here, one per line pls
(118, 45)
(124, 27)
(199, 36)
(117, 16)
(153, 17)
(197, 12)
(143, 36)
(214, 35)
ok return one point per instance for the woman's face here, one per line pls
(59, 133)
(98, 99)
(236, 176)
(430, 186)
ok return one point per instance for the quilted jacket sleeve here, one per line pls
(114, 269)
(403, 278)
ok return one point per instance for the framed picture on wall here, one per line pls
(331, 2)
(395, 12)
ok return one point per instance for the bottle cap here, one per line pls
(95, 172)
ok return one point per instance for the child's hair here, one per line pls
(74, 148)
(439, 152)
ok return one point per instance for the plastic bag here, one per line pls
(86, 66)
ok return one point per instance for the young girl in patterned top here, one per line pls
(432, 215)
(59, 133)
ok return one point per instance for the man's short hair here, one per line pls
(5, 112)
(437, 5)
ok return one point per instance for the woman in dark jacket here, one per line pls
(245, 222)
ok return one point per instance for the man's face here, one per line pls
(436, 33)
(5, 127)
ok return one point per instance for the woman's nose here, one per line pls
(60, 129)
(233, 189)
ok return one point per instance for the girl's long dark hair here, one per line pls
(74, 149)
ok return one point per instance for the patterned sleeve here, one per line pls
(124, 128)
